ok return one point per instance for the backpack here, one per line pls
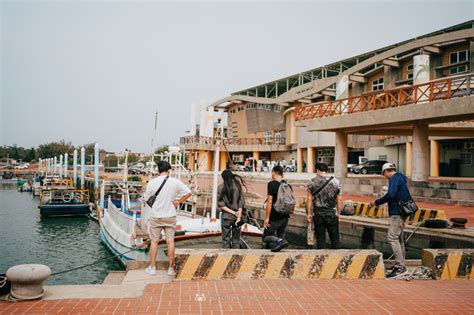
(285, 203)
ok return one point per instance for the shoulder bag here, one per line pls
(152, 198)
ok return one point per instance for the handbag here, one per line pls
(152, 198)
(408, 207)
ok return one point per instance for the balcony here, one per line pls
(443, 89)
(235, 144)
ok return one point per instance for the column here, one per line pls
(256, 157)
(223, 161)
(202, 161)
(409, 159)
(434, 158)
(210, 161)
(421, 153)
(340, 158)
(191, 161)
(299, 160)
(310, 160)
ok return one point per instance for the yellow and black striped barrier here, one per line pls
(363, 209)
(424, 214)
(215, 264)
(449, 264)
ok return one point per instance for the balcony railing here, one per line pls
(435, 90)
(231, 141)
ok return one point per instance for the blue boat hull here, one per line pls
(64, 210)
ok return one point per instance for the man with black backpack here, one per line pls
(323, 200)
(280, 204)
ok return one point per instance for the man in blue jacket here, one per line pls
(397, 190)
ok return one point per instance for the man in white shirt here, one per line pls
(163, 213)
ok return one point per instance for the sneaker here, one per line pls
(150, 270)
(279, 246)
(396, 272)
(171, 272)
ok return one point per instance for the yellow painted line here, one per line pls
(330, 266)
(248, 266)
(303, 266)
(358, 205)
(417, 215)
(379, 272)
(219, 267)
(365, 208)
(275, 265)
(190, 266)
(451, 266)
(441, 214)
(355, 268)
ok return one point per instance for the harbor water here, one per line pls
(60, 243)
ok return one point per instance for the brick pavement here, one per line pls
(273, 297)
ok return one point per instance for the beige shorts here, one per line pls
(156, 225)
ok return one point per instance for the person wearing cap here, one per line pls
(397, 190)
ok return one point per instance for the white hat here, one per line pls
(387, 166)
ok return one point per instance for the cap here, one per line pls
(388, 166)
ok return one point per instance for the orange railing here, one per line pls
(231, 141)
(435, 90)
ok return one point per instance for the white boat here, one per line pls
(124, 230)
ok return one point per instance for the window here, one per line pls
(458, 57)
(268, 137)
(465, 158)
(377, 85)
(277, 137)
(277, 108)
(410, 72)
(383, 158)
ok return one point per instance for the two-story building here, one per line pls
(410, 103)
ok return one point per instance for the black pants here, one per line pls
(277, 227)
(331, 224)
(230, 235)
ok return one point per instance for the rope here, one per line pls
(419, 273)
(92, 264)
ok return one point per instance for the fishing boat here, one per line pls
(36, 186)
(124, 230)
(58, 197)
(64, 202)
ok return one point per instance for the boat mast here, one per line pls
(152, 155)
(218, 138)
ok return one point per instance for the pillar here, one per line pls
(202, 161)
(256, 157)
(310, 160)
(191, 161)
(210, 161)
(340, 158)
(409, 161)
(223, 161)
(299, 160)
(434, 158)
(421, 151)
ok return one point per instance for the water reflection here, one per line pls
(61, 243)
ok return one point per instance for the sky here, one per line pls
(96, 71)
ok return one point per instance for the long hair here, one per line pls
(231, 181)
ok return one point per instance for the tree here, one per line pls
(53, 149)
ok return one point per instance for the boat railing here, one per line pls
(120, 219)
(64, 196)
